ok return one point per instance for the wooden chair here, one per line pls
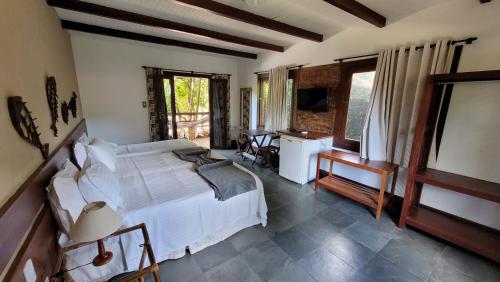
(241, 142)
(265, 151)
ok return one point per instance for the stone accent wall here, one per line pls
(314, 77)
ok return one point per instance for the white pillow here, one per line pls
(103, 151)
(79, 150)
(64, 196)
(98, 183)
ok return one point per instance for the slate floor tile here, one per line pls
(318, 229)
(183, 269)
(445, 273)
(380, 269)
(199, 278)
(247, 238)
(365, 214)
(328, 197)
(309, 202)
(324, 266)
(275, 201)
(350, 251)
(293, 213)
(293, 273)
(344, 235)
(471, 264)
(336, 217)
(214, 255)
(352, 208)
(275, 223)
(234, 269)
(368, 235)
(406, 255)
(295, 243)
(421, 241)
(266, 259)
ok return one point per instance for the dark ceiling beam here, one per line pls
(484, 1)
(151, 39)
(103, 11)
(251, 18)
(359, 10)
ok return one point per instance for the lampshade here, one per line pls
(96, 221)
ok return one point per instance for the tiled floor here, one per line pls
(324, 237)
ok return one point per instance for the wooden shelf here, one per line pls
(354, 160)
(459, 183)
(352, 190)
(472, 236)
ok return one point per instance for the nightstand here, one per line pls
(137, 275)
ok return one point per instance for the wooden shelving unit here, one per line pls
(463, 184)
(352, 190)
(464, 233)
(360, 193)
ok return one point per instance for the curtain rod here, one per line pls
(288, 68)
(188, 72)
(453, 42)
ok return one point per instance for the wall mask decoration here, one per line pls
(65, 112)
(69, 107)
(24, 124)
(51, 91)
(72, 105)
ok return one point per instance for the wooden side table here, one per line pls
(358, 192)
(124, 277)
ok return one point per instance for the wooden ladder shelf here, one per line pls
(469, 235)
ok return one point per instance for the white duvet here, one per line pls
(178, 207)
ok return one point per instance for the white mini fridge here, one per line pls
(298, 157)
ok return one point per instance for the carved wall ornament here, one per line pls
(72, 105)
(67, 107)
(51, 91)
(65, 112)
(24, 124)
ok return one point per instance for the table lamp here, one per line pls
(96, 222)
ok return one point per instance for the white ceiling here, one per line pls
(314, 15)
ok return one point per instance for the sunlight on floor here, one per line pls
(203, 142)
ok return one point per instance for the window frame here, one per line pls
(347, 69)
(260, 83)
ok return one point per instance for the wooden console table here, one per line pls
(358, 192)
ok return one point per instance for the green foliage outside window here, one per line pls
(359, 99)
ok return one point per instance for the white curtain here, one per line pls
(276, 115)
(395, 100)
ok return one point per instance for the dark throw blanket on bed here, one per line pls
(226, 179)
(198, 155)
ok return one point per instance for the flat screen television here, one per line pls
(313, 99)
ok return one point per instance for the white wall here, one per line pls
(113, 84)
(472, 132)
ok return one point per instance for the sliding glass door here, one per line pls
(187, 98)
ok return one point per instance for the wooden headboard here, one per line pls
(27, 212)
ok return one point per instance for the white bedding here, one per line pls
(177, 205)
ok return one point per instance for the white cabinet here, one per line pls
(298, 157)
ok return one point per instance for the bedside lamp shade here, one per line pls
(96, 221)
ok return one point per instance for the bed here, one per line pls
(178, 207)
(33, 233)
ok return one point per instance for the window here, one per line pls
(359, 99)
(351, 102)
(262, 95)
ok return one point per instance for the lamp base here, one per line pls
(102, 260)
